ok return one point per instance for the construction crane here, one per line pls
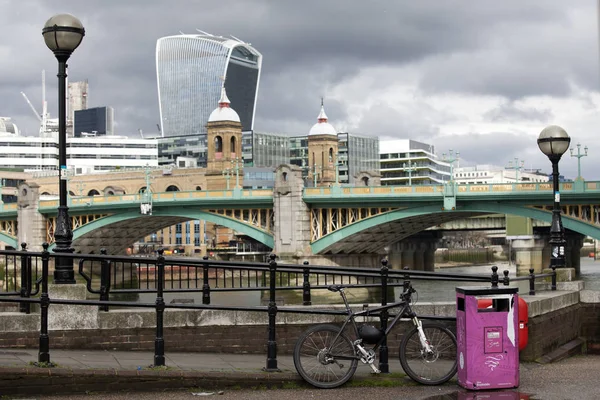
(43, 117)
(38, 116)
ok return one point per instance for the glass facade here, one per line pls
(187, 146)
(97, 121)
(356, 154)
(270, 150)
(190, 71)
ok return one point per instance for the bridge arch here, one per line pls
(412, 217)
(167, 218)
(9, 240)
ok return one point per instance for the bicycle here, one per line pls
(326, 357)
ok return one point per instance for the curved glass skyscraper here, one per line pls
(190, 70)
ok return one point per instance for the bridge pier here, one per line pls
(31, 224)
(292, 231)
(416, 252)
(529, 254)
(534, 252)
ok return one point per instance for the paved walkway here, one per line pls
(94, 371)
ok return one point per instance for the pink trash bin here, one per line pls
(487, 338)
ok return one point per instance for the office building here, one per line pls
(84, 155)
(96, 121)
(190, 70)
(408, 162)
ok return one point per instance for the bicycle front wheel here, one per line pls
(325, 357)
(434, 367)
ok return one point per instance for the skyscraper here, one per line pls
(190, 70)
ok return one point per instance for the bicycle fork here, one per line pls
(424, 342)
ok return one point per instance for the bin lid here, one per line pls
(479, 290)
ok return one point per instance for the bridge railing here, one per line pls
(271, 276)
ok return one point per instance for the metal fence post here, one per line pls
(25, 279)
(506, 279)
(383, 316)
(494, 277)
(104, 280)
(531, 282)
(44, 350)
(159, 341)
(272, 343)
(306, 299)
(205, 284)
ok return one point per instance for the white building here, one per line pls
(84, 155)
(495, 174)
(7, 126)
(408, 162)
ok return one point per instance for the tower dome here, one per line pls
(224, 112)
(322, 127)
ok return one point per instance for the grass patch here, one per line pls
(159, 368)
(43, 364)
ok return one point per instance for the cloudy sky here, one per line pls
(479, 76)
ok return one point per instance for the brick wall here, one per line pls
(590, 326)
(546, 333)
(549, 331)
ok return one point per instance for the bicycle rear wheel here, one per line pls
(432, 368)
(322, 360)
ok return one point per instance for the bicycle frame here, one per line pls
(405, 312)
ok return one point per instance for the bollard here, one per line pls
(272, 343)
(44, 350)
(495, 277)
(104, 281)
(531, 282)
(306, 299)
(25, 279)
(205, 283)
(159, 342)
(384, 366)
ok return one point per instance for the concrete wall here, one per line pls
(555, 318)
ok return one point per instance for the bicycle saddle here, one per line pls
(335, 288)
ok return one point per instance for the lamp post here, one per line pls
(409, 167)
(517, 167)
(235, 166)
(450, 159)
(63, 34)
(80, 186)
(579, 155)
(227, 175)
(316, 173)
(553, 142)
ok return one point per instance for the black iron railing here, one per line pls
(105, 275)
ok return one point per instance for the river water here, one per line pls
(427, 291)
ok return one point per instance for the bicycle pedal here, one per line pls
(375, 369)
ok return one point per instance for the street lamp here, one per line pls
(451, 159)
(553, 142)
(409, 167)
(579, 155)
(517, 167)
(63, 34)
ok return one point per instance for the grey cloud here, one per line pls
(509, 112)
(306, 45)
